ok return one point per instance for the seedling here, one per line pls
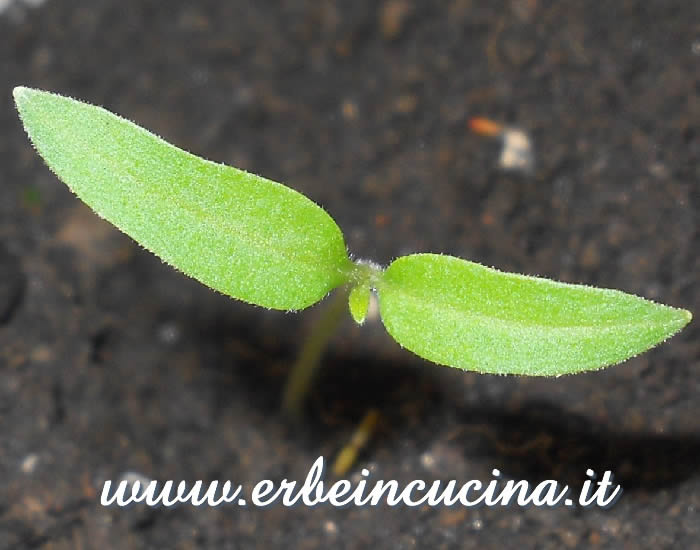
(268, 245)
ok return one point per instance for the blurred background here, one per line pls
(559, 139)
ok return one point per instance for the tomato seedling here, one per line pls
(264, 243)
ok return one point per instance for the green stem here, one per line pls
(300, 377)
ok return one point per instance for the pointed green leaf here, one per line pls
(246, 236)
(358, 302)
(465, 315)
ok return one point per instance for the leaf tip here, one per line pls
(359, 303)
(22, 95)
(685, 317)
(680, 318)
(19, 93)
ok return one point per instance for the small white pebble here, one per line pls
(133, 477)
(427, 460)
(29, 463)
(168, 333)
(517, 152)
(7, 4)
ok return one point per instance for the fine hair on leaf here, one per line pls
(264, 243)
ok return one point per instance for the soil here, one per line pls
(114, 364)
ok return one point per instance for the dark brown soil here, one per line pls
(111, 362)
